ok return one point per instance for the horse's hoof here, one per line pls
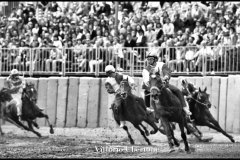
(132, 142)
(152, 132)
(51, 131)
(233, 141)
(147, 133)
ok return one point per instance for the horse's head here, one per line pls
(156, 85)
(5, 95)
(31, 92)
(125, 88)
(203, 97)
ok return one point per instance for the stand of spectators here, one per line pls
(56, 25)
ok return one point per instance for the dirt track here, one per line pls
(106, 143)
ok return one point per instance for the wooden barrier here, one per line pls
(223, 92)
(62, 101)
(52, 90)
(42, 98)
(72, 102)
(103, 110)
(83, 96)
(93, 103)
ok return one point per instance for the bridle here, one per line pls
(125, 93)
(202, 103)
(26, 93)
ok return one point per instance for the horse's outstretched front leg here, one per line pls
(126, 129)
(142, 133)
(31, 128)
(49, 124)
(145, 129)
(217, 127)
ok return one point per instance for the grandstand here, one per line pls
(80, 38)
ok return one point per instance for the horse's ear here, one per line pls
(205, 89)
(200, 89)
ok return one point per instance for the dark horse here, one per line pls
(134, 111)
(5, 96)
(168, 109)
(199, 105)
(30, 111)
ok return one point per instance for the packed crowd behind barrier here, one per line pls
(61, 29)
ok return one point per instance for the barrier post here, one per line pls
(131, 62)
(63, 62)
(31, 63)
(97, 66)
(1, 62)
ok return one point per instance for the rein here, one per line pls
(201, 102)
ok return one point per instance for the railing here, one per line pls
(200, 60)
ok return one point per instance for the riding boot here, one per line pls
(147, 98)
(180, 96)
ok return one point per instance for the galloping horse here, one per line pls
(199, 105)
(5, 96)
(133, 111)
(168, 109)
(30, 111)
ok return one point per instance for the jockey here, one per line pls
(165, 73)
(188, 89)
(16, 84)
(114, 79)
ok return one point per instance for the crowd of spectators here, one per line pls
(68, 27)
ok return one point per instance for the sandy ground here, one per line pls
(107, 143)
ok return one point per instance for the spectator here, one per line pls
(141, 39)
(168, 27)
(150, 34)
(55, 58)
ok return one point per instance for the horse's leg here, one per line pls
(129, 135)
(145, 129)
(2, 133)
(35, 124)
(143, 134)
(183, 135)
(168, 132)
(31, 128)
(176, 142)
(195, 126)
(214, 125)
(49, 124)
(153, 125)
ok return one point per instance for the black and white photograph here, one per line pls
(119, 79)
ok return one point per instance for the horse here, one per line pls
(134, 111)
(168, 109)
(5, 96)
(199, 105)
(30, 111)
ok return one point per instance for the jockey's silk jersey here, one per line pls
(115, 82)
(150, 69)
(14, 83)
